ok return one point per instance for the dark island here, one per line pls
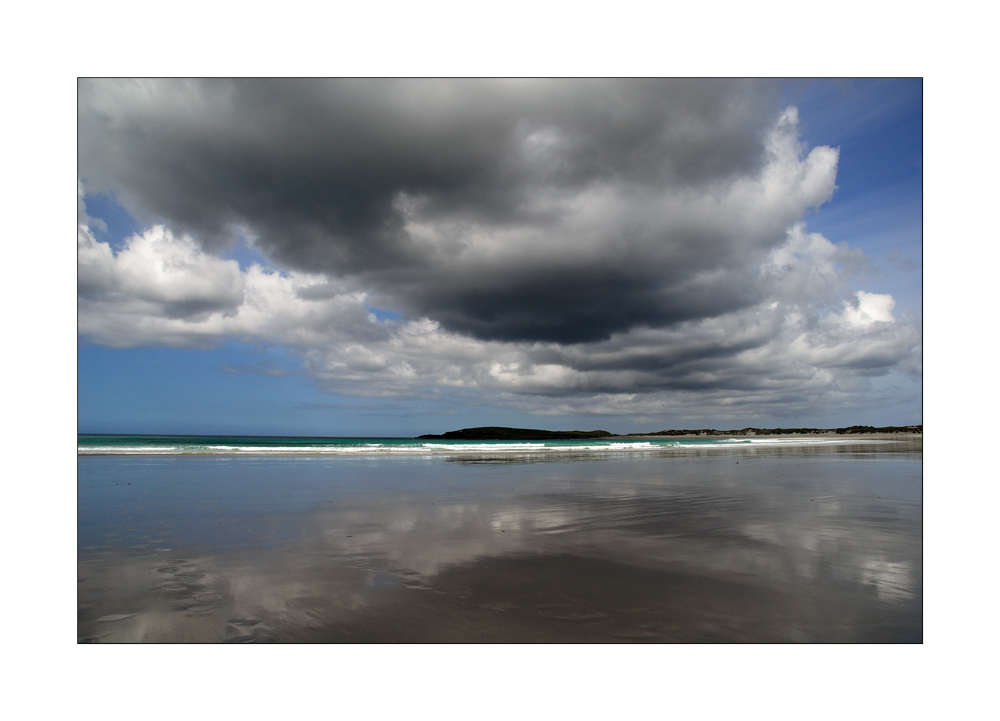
(498, 433)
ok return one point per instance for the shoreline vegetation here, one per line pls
(499, 433)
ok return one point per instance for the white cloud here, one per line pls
(161, 288)
(871, 308)
(161, 274)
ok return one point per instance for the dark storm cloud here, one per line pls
(573, 307)
(560, 211)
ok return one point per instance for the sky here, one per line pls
(391, 258)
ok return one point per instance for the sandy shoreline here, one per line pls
(620, 444)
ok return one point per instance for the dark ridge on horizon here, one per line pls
(499, 433)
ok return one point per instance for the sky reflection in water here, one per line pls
(778, 544)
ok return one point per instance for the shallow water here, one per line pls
(791, 543)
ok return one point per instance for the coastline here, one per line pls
(792, 436)
(369, 447)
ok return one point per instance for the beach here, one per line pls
(777, 540)
(143, 445)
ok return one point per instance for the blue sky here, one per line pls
(878, 126)
(269, 382)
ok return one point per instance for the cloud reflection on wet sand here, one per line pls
(782, 547)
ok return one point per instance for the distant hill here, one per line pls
(850, 430)
(497, 433)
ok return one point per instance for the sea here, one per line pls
(245, 539)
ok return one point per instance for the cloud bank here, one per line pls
(569, 247)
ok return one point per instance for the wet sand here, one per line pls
(742, 545)
(566, 598)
